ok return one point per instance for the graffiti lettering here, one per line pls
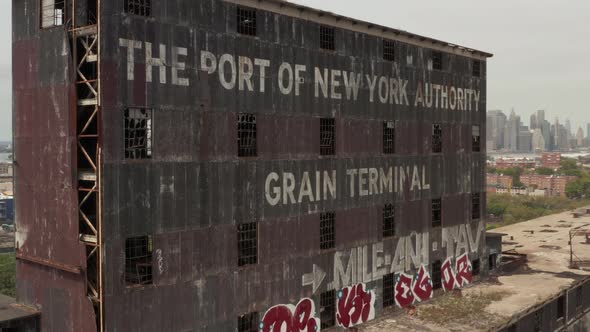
(289, 318)
(404, 296)
(355, 306)
(449, 282)
(422, 286)
(464, 271)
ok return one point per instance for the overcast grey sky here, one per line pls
(542, 54)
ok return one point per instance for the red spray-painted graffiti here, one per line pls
(355, 306)
(449, 282)
(422, 286)
(403, 291)
(289, 318)
(464, 274)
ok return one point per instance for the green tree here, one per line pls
(544, 171)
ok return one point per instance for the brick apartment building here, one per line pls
(551, 160)
(554, 185)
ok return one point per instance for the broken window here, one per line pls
(436, 213)
(138, 133)
(389, 290)
(53, 13)
(388, 220)
(475, 139)
(138, 260)
(328, 309)
(138, 7)
(436, 275)
(476, 69)
(436, 138)
(247, 244)
(327, 230)
(248, 322)
(388, 137)
(475, 267)
(327, 38)
(246, 21)
(561, 307)
(437, 60)
(327, 136)
(388, 50)
(247, 135)
(475, 206)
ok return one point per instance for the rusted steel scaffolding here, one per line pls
(575, 261)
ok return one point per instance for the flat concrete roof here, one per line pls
(546, 273)
(11, 311)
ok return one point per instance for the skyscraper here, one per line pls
(496, 122)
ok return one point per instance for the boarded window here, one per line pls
(248, 322)
(247, 135)
(247, 244)
(561, 307)
(436, 138)
(388, 50)
(436, 213)
(53, 13)
(475, 139)
(246, 21)
(436, 275)
(389, 290)
(475, 267)
(327, 136)
(388, 220)
(138, 7)
(476, 69)
(437, 60)
(328, 309)
(138, 133)
(327, 230)
(327, 38)
(388, 137)
(475, 206)
(138, 260)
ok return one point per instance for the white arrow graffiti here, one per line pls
(314, 279)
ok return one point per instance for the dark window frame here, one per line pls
(327, 230)
(389, 137)
(327, 38)
(475, 138)
(436, 208)
(138, 133)
(328, 309)
(476, 68)
(327, 136)
(247, 135)
(247, 236)
(139, 260)
(475, 206)
(246, 21)
(475, 267)
(388, 220)
(248, 322)
(389, 290)
(388, 50)
(436, 275)
(437, 60)
(59, 18)
(437, 138)
(561, 306)
(138, 7)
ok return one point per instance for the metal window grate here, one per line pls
(53, 13)
(436, 275)
(388, 220)
(388, 290)
(327, 136)
(476, 69)
(475, 267)
(138, 133)
(475, 206)
(247, 244)
(247, 135)
(138, 7)
(437, 60)
(436, 138)
(327, 38)
(246, 21)
(388, 50)
(138, 260)
(388, 137)
(475, 139)
(248, 322)
(436, 212)
(328, 309)
(327, 230)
